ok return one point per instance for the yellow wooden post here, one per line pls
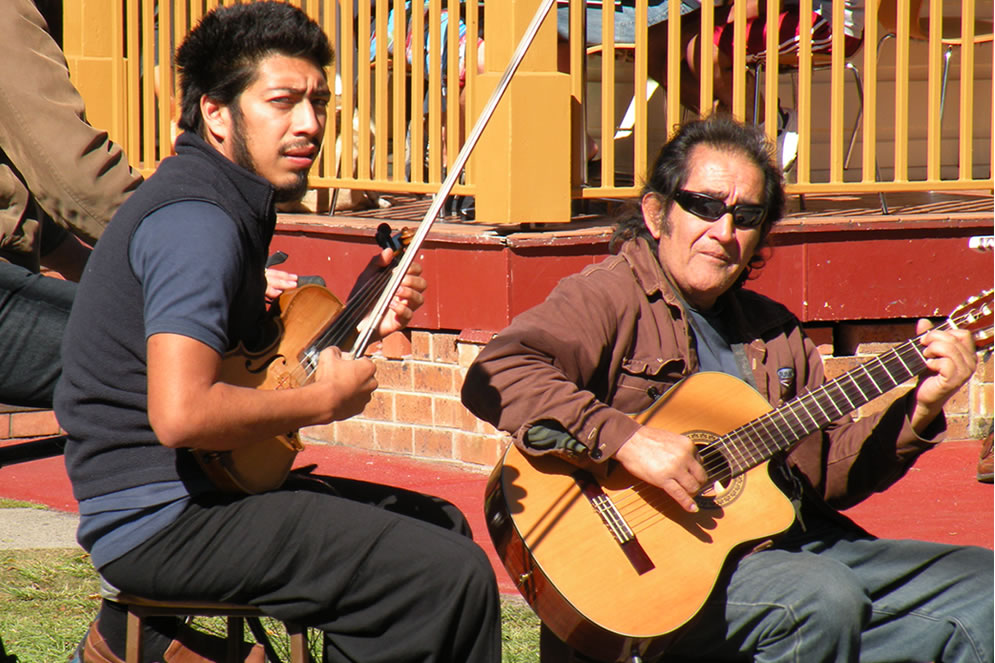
(93, 43)
(521, 165)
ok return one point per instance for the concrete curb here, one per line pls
(24, 528)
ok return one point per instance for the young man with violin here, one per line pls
(176, 284)
(567, 377)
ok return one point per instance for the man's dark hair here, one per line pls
(672, 167)
(219, 56)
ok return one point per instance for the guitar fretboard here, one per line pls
(757, 441)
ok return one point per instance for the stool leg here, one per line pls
(133, 639)
(235, 636)
(298, 643)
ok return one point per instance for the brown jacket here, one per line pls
(56, 171)
(608, 341)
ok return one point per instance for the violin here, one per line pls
(308, 319)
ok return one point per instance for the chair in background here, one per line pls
(919, 31)
(821, 62)
(625, 123)
(625, 126)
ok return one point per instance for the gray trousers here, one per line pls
(34, 310)
(848, 597)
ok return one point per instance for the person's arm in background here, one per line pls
(77, 175)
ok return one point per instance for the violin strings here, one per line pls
(346, 322)
(352, 313)
(354, 310)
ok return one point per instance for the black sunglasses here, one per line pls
(744, 215)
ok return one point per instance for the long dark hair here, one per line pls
(219, 56)
(671, 169)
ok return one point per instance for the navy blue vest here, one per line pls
(101, 400)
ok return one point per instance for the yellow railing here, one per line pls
(400, 114)
(900, 144)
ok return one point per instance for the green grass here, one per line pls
(48, 598)
(519, 632)
(6, 503)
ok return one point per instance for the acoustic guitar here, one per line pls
(613, 565)
(307, 320)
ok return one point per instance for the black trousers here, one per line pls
(389, 575)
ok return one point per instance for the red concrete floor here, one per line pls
(938, 500)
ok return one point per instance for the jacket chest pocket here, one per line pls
(641, 382)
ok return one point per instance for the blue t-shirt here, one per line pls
(187, 259)
(711, 341)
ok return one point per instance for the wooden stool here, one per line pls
(139, 608)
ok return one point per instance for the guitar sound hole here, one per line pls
(722, 488)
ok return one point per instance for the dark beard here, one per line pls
(293, 192)
(240, 151)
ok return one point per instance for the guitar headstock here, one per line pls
(976, 315)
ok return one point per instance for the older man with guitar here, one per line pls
(679, 458)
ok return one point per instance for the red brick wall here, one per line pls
(25, 423)
(417, 411)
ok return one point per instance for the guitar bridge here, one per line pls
(614, 521)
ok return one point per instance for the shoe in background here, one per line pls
(786, 146)
(985, 461)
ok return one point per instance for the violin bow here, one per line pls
(378, 312)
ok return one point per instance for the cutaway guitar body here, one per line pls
(609, 563)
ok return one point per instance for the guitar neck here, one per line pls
(779, 429)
